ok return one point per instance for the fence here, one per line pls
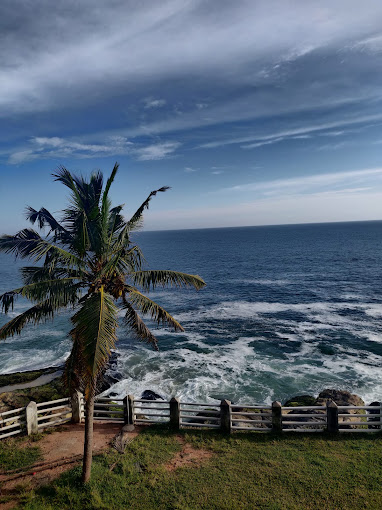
(225, 416)
(233, 417)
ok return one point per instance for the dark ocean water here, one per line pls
(287, 310)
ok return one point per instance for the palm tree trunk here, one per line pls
(88, 443)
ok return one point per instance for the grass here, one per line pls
(18, 454)
(245, 471)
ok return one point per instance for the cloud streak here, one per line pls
(56, 147)
(88, 46)
(336, 182)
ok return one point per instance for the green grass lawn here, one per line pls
(17, 454)
(246, 471)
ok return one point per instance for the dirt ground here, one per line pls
(63, 446)
(188, 456)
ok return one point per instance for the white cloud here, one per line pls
(154, 103)
(156, 151)
(56, 147)
(189, 169)
(56, 55)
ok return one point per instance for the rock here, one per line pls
(340, 397)
(301, 400)
(374, 411)
(343, 398)
(245, 421)
(110, 374)
(151, 395)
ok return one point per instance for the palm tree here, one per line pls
(88, 262)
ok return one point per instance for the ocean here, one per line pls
(287, 310)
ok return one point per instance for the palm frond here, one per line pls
(63, 175)
(109, 182)
(95, 329)
(123, 261)
(36, 314)
(60, 292)
(44, 218)
(34, 274)
(151, 279)
(148, 306)
(134, 322)
(57, 255)
(21, 244)
(131, 224)
(74, 368)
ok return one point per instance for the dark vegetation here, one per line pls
(24, 377)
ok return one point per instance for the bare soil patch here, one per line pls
(61, 450)
(188, 456)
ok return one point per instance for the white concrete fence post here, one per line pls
(76, 403)
(31, 418)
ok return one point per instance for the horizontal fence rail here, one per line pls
(224, 416)
(149, 411)
(55, 412)
(12, 422)
(199, 415)
(250, 417)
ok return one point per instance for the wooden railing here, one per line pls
(225, 416)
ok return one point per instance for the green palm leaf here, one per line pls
(38, 313)
(134, 322)
(57, 291)
(95, 327)
(148, 306)
(151, 279)
(136, 217)
(21, 244)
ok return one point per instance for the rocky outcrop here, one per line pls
(151, 395)
(301, 400)
(110, 375)
(376, 418)
(343, 398)
(340, 397)
(246, 421)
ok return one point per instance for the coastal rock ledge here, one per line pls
(340, 397)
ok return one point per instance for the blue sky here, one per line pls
(254, 112)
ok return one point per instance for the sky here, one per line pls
(254, 112)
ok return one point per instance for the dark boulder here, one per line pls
(343, 398)
(373, 419)
(151, 395)
(340, 397)
(300, 400)
(110, 375)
